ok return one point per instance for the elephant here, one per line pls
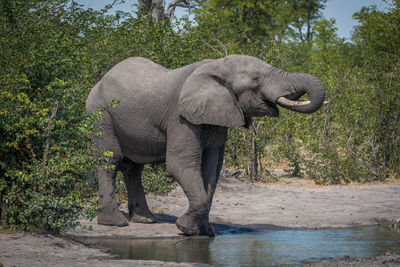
(180, 117)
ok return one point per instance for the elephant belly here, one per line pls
(144, 148)
(141, 136)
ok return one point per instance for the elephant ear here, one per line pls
(205, 99)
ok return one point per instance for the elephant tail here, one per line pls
(92, 101)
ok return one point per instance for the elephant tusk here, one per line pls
(290, 103)
(327, 102)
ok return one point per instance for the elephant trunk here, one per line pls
(301, 84)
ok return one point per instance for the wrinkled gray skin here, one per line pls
(181, 116)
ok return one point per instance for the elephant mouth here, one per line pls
(273, 110)
(267, 109)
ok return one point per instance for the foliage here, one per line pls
(43, 165)
(377, 42)
(356, 132)
(354, 137)
(155, 180)
(243, 21)
(43, 186)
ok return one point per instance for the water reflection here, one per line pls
(263, 248)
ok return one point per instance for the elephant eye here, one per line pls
(256, 79)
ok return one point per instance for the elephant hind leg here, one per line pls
(137, 205)
(109, 213)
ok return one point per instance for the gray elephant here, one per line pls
(181, 117)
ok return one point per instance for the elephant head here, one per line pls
(229, 90)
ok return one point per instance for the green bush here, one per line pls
(44, 165)
(156, 180)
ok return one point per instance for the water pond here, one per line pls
(262, 248)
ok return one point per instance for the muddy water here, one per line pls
(263, 248)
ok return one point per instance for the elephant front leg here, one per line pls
(211, 168)
(184, 154)
(195, 221)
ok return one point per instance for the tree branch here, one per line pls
(221, 45)
(177, 3)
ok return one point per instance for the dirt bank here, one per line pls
(290, 203)
(383, 260)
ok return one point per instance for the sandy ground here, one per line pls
(291, 203)
(383, 260)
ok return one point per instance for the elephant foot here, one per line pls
(143, 217)
(189, 226)
(112, 218)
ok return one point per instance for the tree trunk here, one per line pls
(7, 10)
(158, 10)
(254, 159)
(255, 162)
(144, 4)
(156, 7)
